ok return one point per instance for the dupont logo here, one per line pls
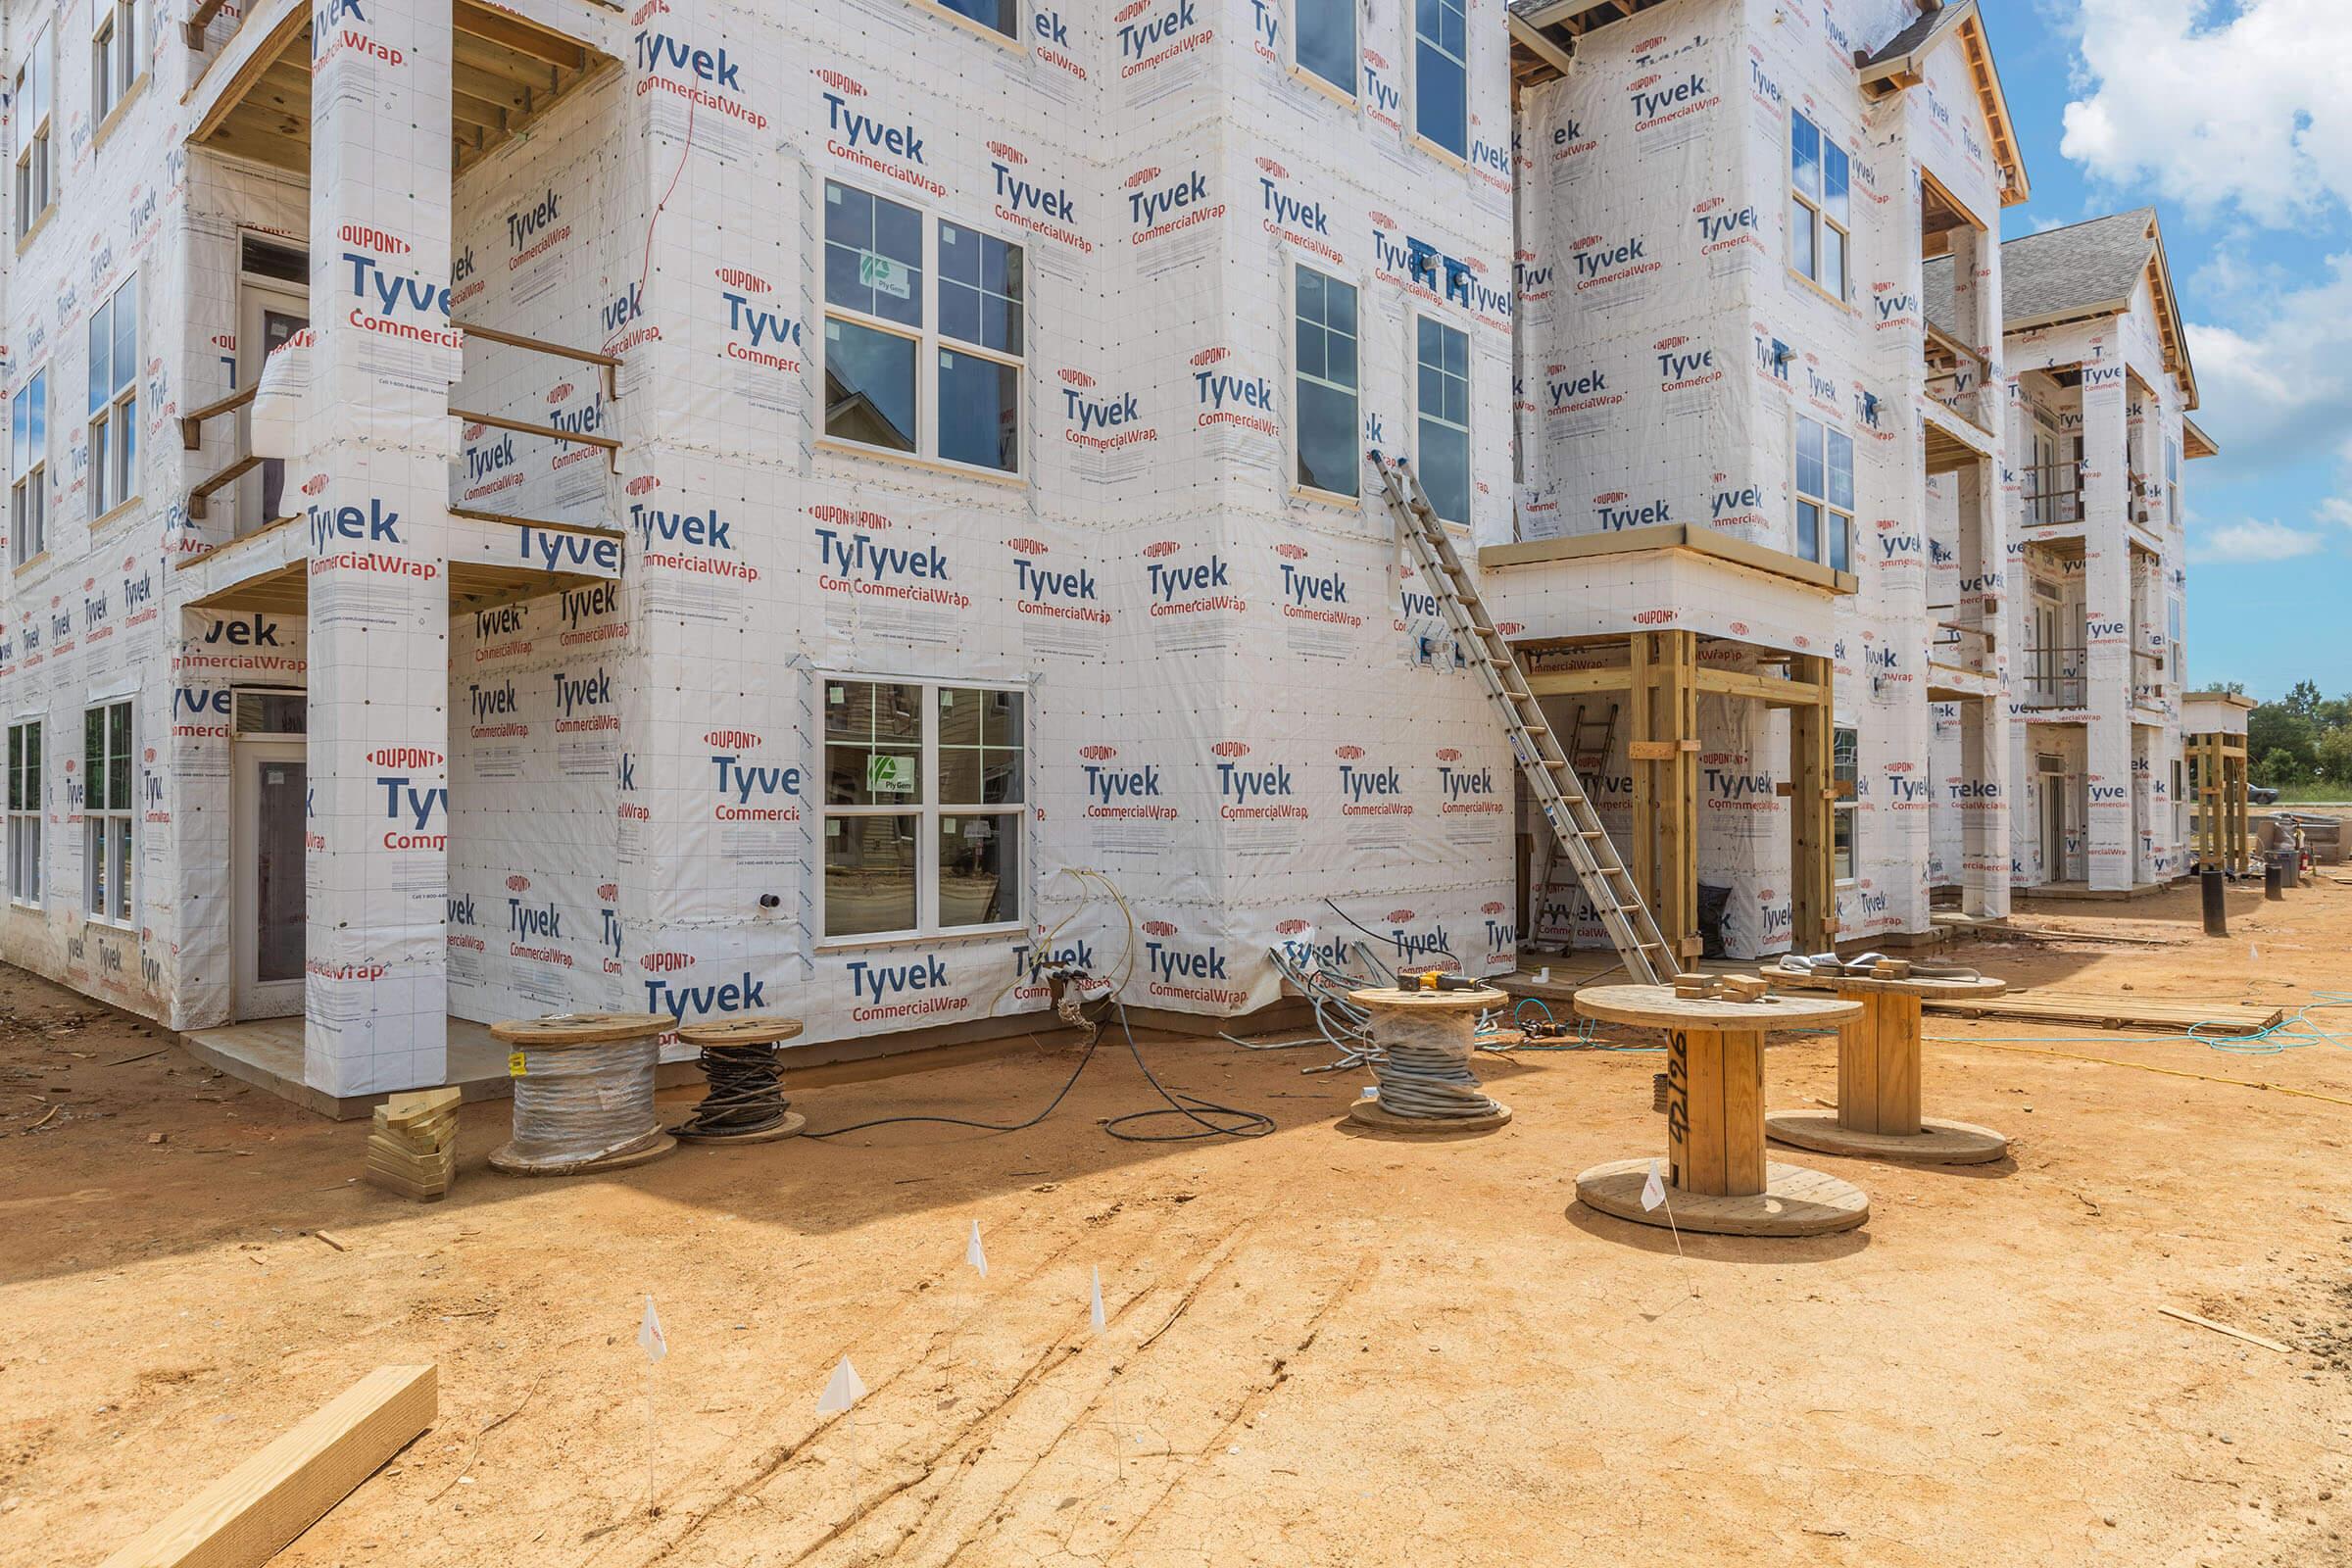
(474, 432)
(1381, 218)
(1159, 928)
(1141, 177)
(560, 391)
(736, 278)
(374, 239)
(1273, 167)
(1290, 552)
(1665, 343)
(841, 83)
(1210, 357)
(1004, 152)
(1231, 748)
(608, 891)
(1026, 547)
(1491, 906)
(518, 884)
(738, 739)
(1448, 754)
(1291, 928)
(1399, 916)
(1376, 59)
(643, 483)
(1160, 549)
(666, 962)
(403, 757)
(1510, 628)
(314, 484)
(1738, 628)
(1609, 498)
(1098, 754)
(846, 517)
(1654, 617)
(1075, 378)
(1347, 754)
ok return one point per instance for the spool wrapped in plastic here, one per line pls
(583, 1093)
(1422, 1042)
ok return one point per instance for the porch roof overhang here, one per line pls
(269, 569)
(1679, 536)
(508, 71)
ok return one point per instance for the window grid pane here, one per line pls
(1327, 40)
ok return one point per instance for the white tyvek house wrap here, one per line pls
(1667, 349)
(581, 799)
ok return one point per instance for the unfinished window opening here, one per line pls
(1825, 495)
(118, 54)
(1819, 205)
(1845, 774)
(37, 169)
(114, 343)
(25, 813)
(1442, 74)
(1325, 309)
(997, 15)
(1442, 399)
(261, 710)
(889, 360)
(280, 264)
(105, 811)
(29, 468)
(923, 804)
(1324, 34)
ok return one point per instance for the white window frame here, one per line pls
(1816, 209)
(117, 55)
(1422, 414)
(927, 924)
(956, 12)
(36, 148)
(1460, 63)
(27, 810)
(1354, 52)
(1831, 513)
(115, 465)
(931, 341)
(1845, 803)
(1354, 390)
(29, 470)
(110, 833)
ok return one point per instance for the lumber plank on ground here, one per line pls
(246, 1517)
(2111, 1010)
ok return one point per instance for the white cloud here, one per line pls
(2275, 389)
(2252, 112)
(2336, 508)
(2253, 540)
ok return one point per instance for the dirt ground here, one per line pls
(1322, 1349)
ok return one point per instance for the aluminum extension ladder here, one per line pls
(1550, 778)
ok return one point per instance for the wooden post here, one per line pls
(1812, 778)
(1641, 854)
(1877, 1064)
(1715, 1112)
(1677, 702)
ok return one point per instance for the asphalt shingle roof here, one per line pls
(2078, 267)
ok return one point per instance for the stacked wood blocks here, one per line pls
(413, 1149)
(1721, 988)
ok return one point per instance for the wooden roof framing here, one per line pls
(504, 73)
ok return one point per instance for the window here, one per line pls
(923, 792)
(883, 369)
(1820, 207)
(1442, 73)
(2175, 660)
(1327, 455)
(1000, 16)
(105, 811)
(1845, 770)
(29, 469)
(118, 53)
(1445, 412)
(24, 811)
(36, 184)
(1326, 41)
(1825, 495)
(114, 400)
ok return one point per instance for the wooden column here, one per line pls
(1715, 1112)
(1877, 1064)
(1641, 855)
(1674, 708)
(1812, 878)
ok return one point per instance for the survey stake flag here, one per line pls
(650, 1337)
(841, 1389)
(1094, 1311)
(1653, 1191)
(974, 1253)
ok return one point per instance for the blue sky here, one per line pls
(2233, 118)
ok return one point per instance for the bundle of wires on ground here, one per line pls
(746, 1092)
(1205, 1117)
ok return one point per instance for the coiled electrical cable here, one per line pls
(582, 1102)
(1424, 1068)
(746, 1092)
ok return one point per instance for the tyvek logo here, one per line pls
(330, 526)
(655, 525)
(1044, 590)
(1567, 391)
(1370, 790)
(739, 784)
(1601, 261)
(534, 922)
(533, 231)
(659, 52)
(1189, 588)
(1223, 398)
(1152, 35)
(1153, 202)
(1053, 35)
(257, 631)
(1412, 945)
(584, 701)
(413, 812)
(915, 980)
(1722, 226)
(1101, 422)
(1384, 103)
(329, 38)
(1611, 512)
(1287, 216)
(493, 701)
(1683, 365)
(1760, 82)
(1031, 203)
(681, 1002)
(1738, 506)
(1726, 784)
(1659, 99)
(581, 607)
(858, 557)
(1253, 793)
(891, 148)
(770, 332)
(1893, 307)
(391, 303)
(1531, 279)
(1460, 783)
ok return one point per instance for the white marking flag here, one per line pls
(841, 1389)
(974, 1253)
(1653, 1191)
(650, 1337)
(1094, 1311)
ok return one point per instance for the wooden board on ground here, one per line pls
(248, 1516)
(2113, 1010)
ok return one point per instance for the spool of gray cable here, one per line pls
(1422, 1040)
(583, 1093)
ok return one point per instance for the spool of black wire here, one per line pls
(746, 1103)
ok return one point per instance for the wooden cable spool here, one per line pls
(583, 1093)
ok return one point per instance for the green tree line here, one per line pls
(2301, 740)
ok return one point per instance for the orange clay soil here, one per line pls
(1323, 1348)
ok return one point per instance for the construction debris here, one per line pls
(413, 1149)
